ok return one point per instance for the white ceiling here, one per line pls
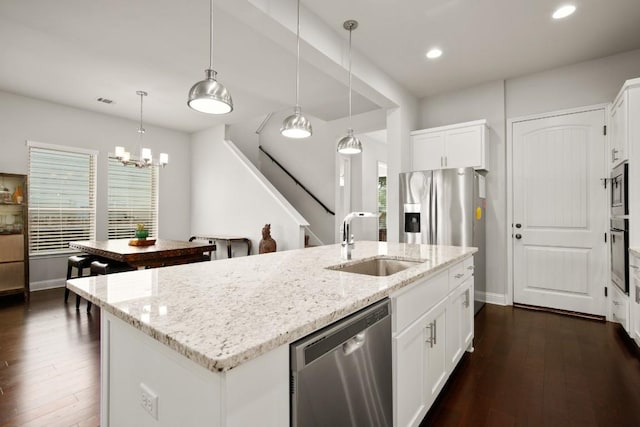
(74, 51)
(482, 40)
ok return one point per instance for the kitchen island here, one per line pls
(210, 340)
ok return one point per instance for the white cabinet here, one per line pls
(435, 354)
(433, 326)
(459, 323)
(454, 146)
(619, 307)
(634, 299)
(618, 136)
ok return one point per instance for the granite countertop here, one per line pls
(225, 312)
(635, 251)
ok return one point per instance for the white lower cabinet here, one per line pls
(620, 308)
(427, 350)
(459, 323)
(634, 300)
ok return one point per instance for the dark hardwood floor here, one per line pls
(49, 362)
(529, 369)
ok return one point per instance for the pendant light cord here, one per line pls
(211, 34)
(350, 31)
(298, 58)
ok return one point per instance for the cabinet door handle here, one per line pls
(466, 299)
(471, 267)
(441, 161)
(634, 266)
(435, 332)
(431, 340)
(459, 275)
(613, 154)
(446, 160)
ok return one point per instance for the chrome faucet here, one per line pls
(345, 231)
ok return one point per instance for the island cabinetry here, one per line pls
(434, 327)
(185, 393)
(455, 146)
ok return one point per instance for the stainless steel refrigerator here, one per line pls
(446, 207)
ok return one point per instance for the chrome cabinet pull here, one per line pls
(435, 332)
(471, 267)
(459, 275)
(431, 340)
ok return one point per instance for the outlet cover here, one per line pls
(149, 400)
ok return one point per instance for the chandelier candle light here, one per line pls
(209, 95)
(349, 144)
(297, 125)
(146, 159)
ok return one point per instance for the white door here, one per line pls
(560, 212)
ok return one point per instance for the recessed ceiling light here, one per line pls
(434, 53)
(564, 11)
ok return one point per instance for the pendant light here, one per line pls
(349, 144)
(209, 95)
(146, 159)
(297, 125)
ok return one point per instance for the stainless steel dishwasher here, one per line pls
(341, 374)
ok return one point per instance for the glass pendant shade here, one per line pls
(210, 96)
(296, 125)
(349, 144)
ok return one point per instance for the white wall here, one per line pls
(311, 161)
(586, 83)
(577, 85)
(366, 194)
(481, 102)
(230, 196)
(23, 118)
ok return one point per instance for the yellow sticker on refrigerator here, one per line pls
(478, 213)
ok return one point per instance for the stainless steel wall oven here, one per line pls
(620, 190)
(620, 253)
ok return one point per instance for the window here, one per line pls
(62, 197)
(382, 202)
(133, 199)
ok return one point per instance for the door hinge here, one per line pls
(604, 130)
(605, 237)
(605, 291)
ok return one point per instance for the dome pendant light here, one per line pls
(349, 144)
(209, 95)
(297, 125)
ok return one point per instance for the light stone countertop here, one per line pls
(225, 312)
(635, 252)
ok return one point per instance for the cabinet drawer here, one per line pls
(11, 247)
(620, 308)
(460, 273)
(11, 276)
(409, 304)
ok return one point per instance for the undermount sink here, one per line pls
(379, 266)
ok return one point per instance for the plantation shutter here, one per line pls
(133, 199)
(62, 197)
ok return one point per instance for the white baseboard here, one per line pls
(47, 284)
(491, 298)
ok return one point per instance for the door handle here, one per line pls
(518, 225)
(518, 236)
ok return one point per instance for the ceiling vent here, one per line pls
(105, 100)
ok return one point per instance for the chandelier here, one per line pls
(146, 159)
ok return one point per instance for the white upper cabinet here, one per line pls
(455, 146)
(618, 136)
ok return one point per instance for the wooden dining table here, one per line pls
(161, 253)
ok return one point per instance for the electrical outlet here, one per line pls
(149, 400)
